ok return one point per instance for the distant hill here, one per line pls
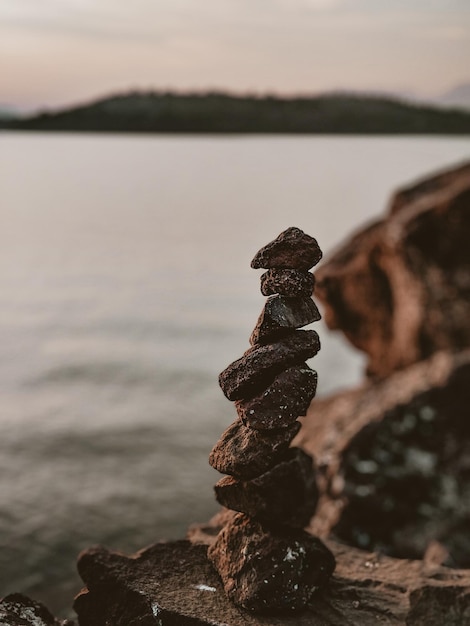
(158, 112)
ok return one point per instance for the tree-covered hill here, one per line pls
(158, 112)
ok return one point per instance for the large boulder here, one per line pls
(394, 461)
(399, 289)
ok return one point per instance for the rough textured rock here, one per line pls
(246, 453)
(445, 605)
(19, 610)
(394, 461)
(257, 368)
(287, 398)
(287, 282)
(263, 568)
(292, 249)
(285, 494)
(280, 315)
(400, 288)
(173, 584)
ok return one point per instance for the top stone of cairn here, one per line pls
(292, 249)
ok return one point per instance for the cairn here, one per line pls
(266, 561)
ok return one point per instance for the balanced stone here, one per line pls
(292, 249)
(280, 315)
(257, 368)
(287, 494)
(287, 282)
(267, 570)
(245, 453)
(287, 398)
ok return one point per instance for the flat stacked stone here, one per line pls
(264, 558)
(281, 315)
(259, 366)
(287, 398)
(245, 453)
(286, 282)
(285, 494)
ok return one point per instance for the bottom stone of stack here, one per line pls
(265, 569)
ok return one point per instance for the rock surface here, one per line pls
(287, 398)
(394, 461)
(287, 282)
(285, 494)
(246, 453)
(279, 569)
(281, 315)
(400, 288)
(292, 249)
(172, 584)
(257, 368)
(449, 606)
(19, 610)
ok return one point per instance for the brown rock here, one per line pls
(448, 605)
(400, 288)
(245, 453)
(287, 282)
(287, 398)
(174, 583)
(394, 460)
(286, 494)
(19, 610)
(292, 249)
(258, 367)
(371, 584)
(280, 315)
(266, 571)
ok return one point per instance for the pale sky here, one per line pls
(56, 52)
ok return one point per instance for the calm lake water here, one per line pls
(125, 290)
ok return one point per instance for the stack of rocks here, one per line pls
(264, 557)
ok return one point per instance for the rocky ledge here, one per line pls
(399, 289)
(394, 460)
(173, 584)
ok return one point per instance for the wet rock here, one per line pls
(286, 494)
(287, 398)
(257, 368)
(292, 249)
(245, 453)
(394, 461)
(280, 315)
(265, 570)
(19, 610)
(399, 289)
(287, 282)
